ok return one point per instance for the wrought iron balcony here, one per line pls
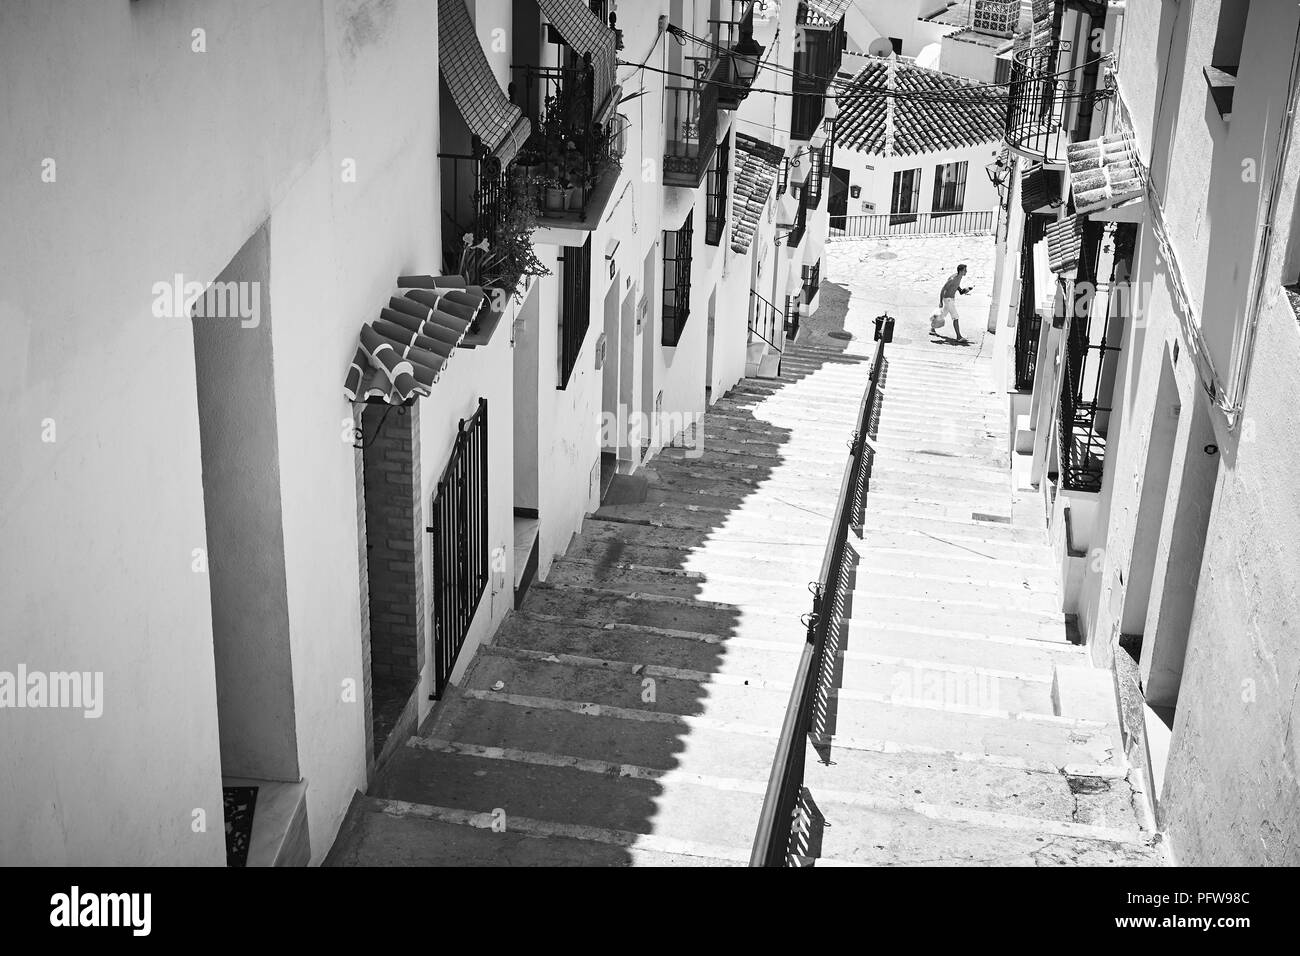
(734, 72)
(1038, 107)
(816, 61)
(692, 133)
(575, 150)
(474, 193)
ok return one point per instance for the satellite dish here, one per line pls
(880, 46)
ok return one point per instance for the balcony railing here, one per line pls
(573, 148)
(1039, 102)
(691, 134)
(795, 236)
(782, 839)
(715, 219)
(816, 61)
(812, 281)
(1087, 378)
(914, 224)
(1028, 321)
(677, 281)
(474, 194)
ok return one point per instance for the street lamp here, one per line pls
(744, 59)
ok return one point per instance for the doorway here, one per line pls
(394, 568)
(526, 518)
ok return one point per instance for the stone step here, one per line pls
(394, 833)
(615, 685)
(876, 601)
(734, 589)
(939, 588)
(772, 665)
(608, 539)
(849, 833)
(763, 515)
(599, 606)
(973, 783)
(576, 792)
(963, 727)
(690, 745)
(1000, 573)
(914, 535)
(908, 641)
(892, 517)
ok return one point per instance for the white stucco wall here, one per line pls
(167, 160)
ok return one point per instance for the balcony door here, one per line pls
(906, 197)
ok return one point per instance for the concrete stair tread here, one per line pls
(906, 838)
(965, 782)
(394, 833)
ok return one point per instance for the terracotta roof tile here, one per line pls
(754, 179)
(936, 112)
(1104, 172)
(1064, 240)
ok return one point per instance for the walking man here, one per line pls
(948, 301)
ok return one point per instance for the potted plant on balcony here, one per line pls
(510, 261)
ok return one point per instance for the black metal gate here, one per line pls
(460, 543)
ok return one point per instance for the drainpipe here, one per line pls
(1242, 360)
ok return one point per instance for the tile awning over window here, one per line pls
(401, 354)
(755, 176)
(1104, 172)
(823, 13)
(1039, 187)
(585, 33)
(1064, 240)
(500, 124)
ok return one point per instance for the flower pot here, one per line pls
(556, 198)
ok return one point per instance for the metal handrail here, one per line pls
(773, 320)
(777, 820)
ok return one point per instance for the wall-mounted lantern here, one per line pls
(855, 191)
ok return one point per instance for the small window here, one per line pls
(949, 188)
(897, 44)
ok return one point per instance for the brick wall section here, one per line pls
(363, 566)
(391, 516)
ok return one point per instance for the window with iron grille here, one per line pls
(813, 183)
(677, 280)
(575, 306)
(812, 280)
(783, 177)
(715, 222)
(791, 316)
(460, 543)
(949, 187)
(906, 197)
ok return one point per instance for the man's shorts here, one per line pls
(950, 308)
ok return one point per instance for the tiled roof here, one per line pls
(489, 114)
(1064, 240)
(935, 111)
(821, 13)
(755, 177)
(1104, 172)
(401, 354)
